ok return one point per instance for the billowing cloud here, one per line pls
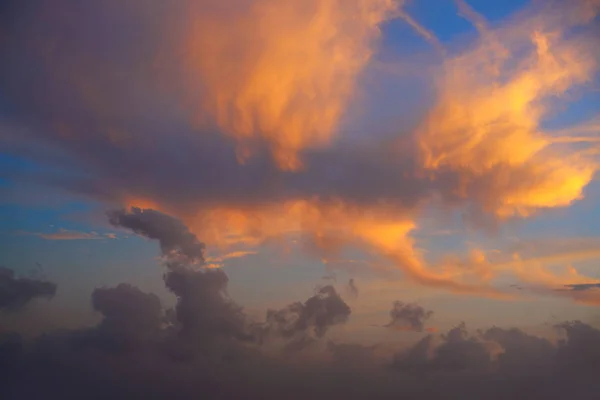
(204, 308)
(411, 317)
(208, 345)
(133, 351)
(304, 322)
(284, 72)
(174, 237)
(16, 292)
(487, 124)
(133, 129)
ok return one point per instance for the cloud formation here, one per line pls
(135, 350)
(16, 292)
(208, 345)
(134, 129)
(410, 317)
(283, 72)
(65, 234)
(305, 322)
(492, 100)
(175, 239)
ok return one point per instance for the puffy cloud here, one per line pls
(176, 241)
(204, 308)
(130, 317)
(408, 317)
(16, 292)
(301, 321)
(207, 345)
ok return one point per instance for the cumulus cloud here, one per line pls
(16, 292)
(175, 239)
(304, 322)
(204, 308)
(207, 345)
(409, 316)
(282, 72)
(132, 352)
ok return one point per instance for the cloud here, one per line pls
(65, 234)
(352, 288)
(410, 317)
(583, 286)
(219, 261)
(133, 129)
(16, 292)
(309, 319)
(208, 345)
(204, 308)
(131, 351)
(175, 239)
(585, 293)
(496, 96)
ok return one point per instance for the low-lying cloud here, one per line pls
(207, 344)
(16, 292)
(408, 316)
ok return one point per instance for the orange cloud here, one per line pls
(492, 100)
(65, 234)
(269, 74)
(329, 227)
(282, 71)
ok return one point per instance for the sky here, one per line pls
(421, 171)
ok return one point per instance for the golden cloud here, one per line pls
(282, 71)
(492, 101)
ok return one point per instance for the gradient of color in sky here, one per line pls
(437, 152)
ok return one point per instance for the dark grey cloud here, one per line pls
(203, 306)
(352, 288)
(16, 292)
(303, 322)
(408, 316)
(495, 364)
(131, 318)
(177, 243)
(207, 345)
(583, 286)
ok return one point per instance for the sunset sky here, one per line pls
(434, 152)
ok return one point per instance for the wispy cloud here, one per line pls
(65, 234)
(583, 286)
(219, 260)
